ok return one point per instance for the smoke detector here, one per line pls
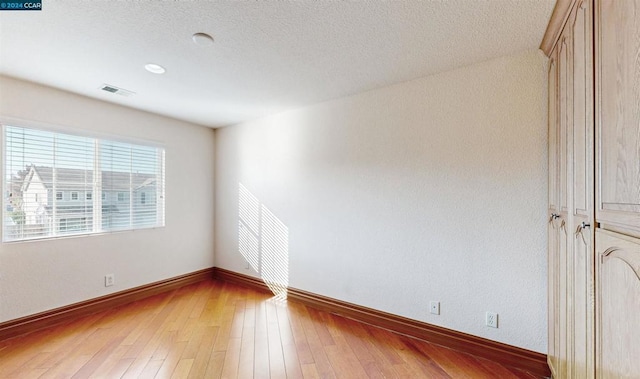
(202, 39)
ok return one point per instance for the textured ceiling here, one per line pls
(268, 56)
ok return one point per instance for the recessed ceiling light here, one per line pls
(154, 68)
(202, 39)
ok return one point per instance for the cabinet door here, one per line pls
(553, 272)
(618, 123)
(582, 262)
(618, 306)
(564, 242)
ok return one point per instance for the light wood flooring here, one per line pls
(215, 329)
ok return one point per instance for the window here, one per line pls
(54, 163)
(122, 196)
(143, 198)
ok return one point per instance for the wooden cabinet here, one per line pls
(581, 262)
(553, 213)
(554, 224)
(618, 196)
(618, 103)
(571, 199)
(560, 199)
(594, 189)
(618, 348)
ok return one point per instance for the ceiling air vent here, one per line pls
(116, 90)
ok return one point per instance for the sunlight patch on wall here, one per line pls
(275, 253)
(263, 241)
(249, 208)
(249, 245)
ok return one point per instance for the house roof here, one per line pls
(68, 179)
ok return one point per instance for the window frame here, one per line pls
(97, 136)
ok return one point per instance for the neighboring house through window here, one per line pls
(42, 165)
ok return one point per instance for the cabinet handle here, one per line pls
(582, 226)
(579, 230)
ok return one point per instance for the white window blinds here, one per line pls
(59, 184)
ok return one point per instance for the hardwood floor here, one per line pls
(215, 329)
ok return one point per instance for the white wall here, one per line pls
(40, 275)
(433, 189)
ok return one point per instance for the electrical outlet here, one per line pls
(109, 280)
(491, 319)
(434, 307)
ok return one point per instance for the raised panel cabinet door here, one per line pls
(581, 263)
(618, 114)
(618, 306)
(559, 205)
(552, 288)
(564, 123)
